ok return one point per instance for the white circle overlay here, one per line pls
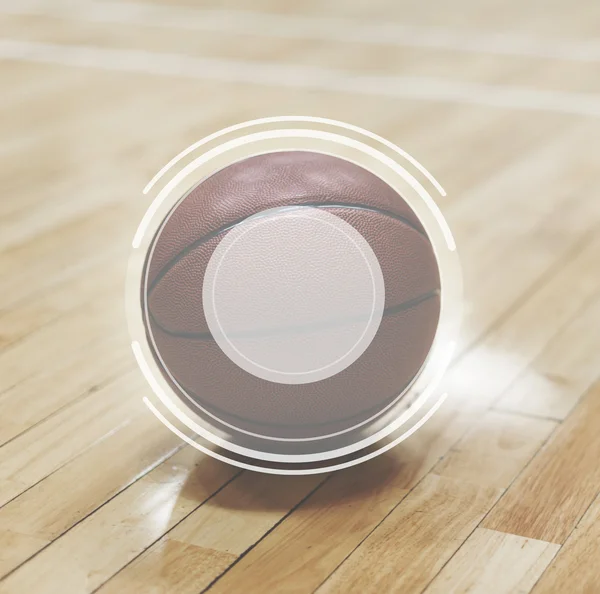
(293, 295)
(365, 149)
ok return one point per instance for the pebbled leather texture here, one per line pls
(182, 249)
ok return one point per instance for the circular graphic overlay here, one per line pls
(291, 295)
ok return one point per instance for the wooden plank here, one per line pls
(485, 372)
(98, 545)
(61, 253)
(564, 370)
(316, 536)
(529, 236)
(504, 264)
(488, 458)
(575, 568)
(212, 537)
(56, 503)
(492, 562)
(220, 527)
(64, 436)
(496, 449)
(314, 16)
(413, 542)
(549, 498)
(528, 327)
(171, 566)
(255, 44)
(321, 533)
(17, 546)
(104, 279)
(35, 399)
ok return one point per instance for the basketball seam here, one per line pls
(216, 409)
(205, 238)
(406, 305)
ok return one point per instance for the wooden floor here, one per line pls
(498, 493)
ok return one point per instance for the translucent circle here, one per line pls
(384, 159)
(294, 295)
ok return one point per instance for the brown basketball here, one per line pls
(194, 363)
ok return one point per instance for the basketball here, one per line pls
(284, 262)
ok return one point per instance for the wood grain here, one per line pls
(552, 494)
(48, 446)
(122, 528)
(172, 566)
(492, 562)
(415, 540)
(557, 378)
(495, 450)
(313, 540)
(66, 495)
(214, 536)
(293, 557)
(95, 495)
(575, 567)
(421, 545)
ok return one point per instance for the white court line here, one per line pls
(323, 28)
(301, 77)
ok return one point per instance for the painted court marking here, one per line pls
(326, 28)
(301, 77)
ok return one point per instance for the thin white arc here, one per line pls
(158, 391)
(404, 174)
(289, 119)
(195, 427)
(303, 133)
(290, 133)
(282, 471)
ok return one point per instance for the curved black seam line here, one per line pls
(386, 312)
(217, 410)
(220, 411)
(163, 271)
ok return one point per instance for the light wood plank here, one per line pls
(318, 536)
(564, 371)
(24, 318)
(73, 379)
(244, 511)
(66, 496)
(575, 568)
(50, 345)
(488, 18)
(214, 536)
(549, 498)
(485, 372)
(61, 253)
(521, 205)
(415, 541)
(308, 545)
(492, 562)
(488, 457)
(172, 566)
(256, 37)
(552, 296)
(64, 436)
(98, 546)
(495, 450)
